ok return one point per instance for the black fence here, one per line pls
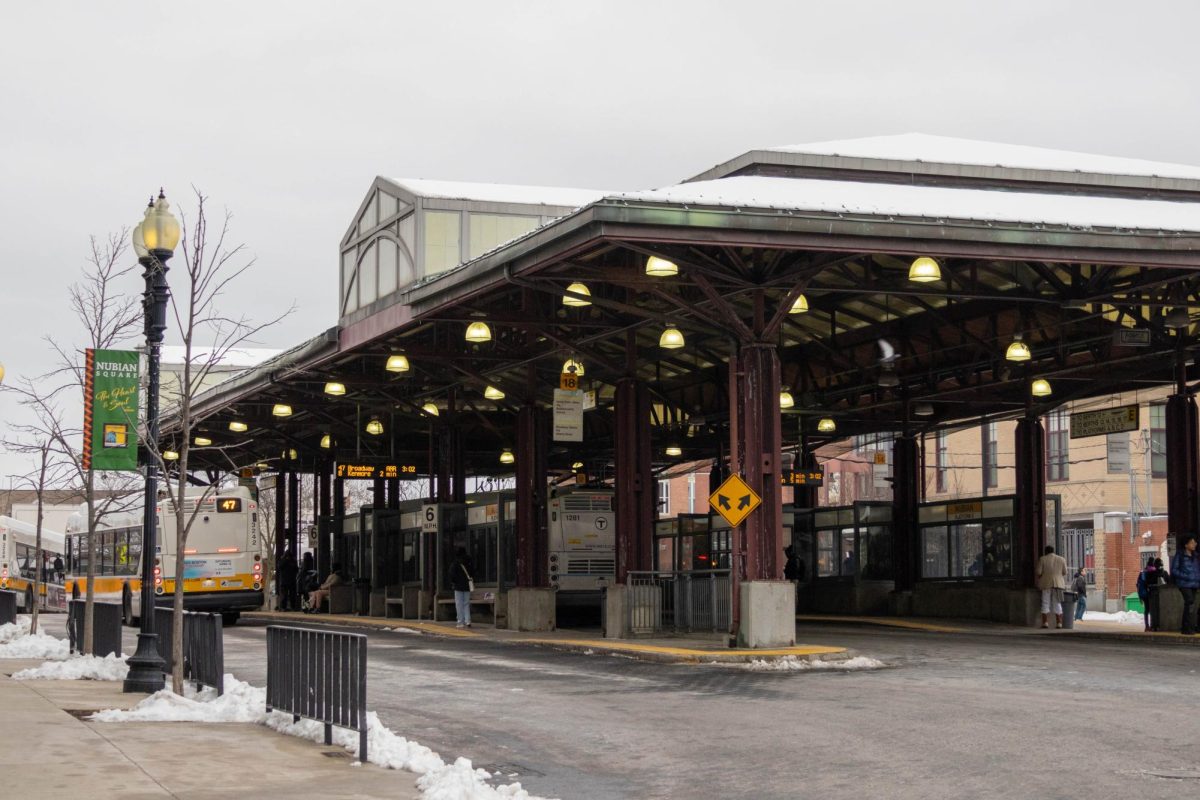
(106, 627)
(8, 607)
(203, 646)
(321, 675)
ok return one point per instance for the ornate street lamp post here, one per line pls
(154, 241)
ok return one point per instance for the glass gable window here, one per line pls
(491, 230)
(1158, 440)
(442, 240)
(991, 477)
(1057, 447)
(349, 285)
(941, 460)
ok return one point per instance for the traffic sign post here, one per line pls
(734, 500)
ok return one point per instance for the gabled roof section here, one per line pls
(555, 196)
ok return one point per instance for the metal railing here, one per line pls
(8, 607)
(663, 601)
(321, 675)
(203, 646)
(106, 627)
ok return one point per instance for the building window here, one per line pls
(991, 459)
(1158, 440)
(941, 460)
(664, 498)
(489, 231)
(442, 237)
(1057, 448)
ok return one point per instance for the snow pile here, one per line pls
(37, 645)
(13, 630)
(1123, 617)
(86, 668)
(245, 703)
(793, 664)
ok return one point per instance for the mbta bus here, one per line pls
(222, 563)
(19, 566)
(582, 545)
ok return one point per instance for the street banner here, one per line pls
(110, 410)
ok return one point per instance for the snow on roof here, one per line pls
(500, 193)
(949, 150)
(885, 199)
(238, 357)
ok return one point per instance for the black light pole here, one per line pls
(154, 241)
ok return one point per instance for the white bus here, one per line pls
(223, 566)
(582, 548)
(19, 566)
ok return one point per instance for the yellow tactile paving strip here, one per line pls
(887, 622)
(688, 653)
(439, 628)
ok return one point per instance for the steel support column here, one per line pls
(905, 499)
(759, 547)
(1182, 465)
(293, 520)
(634, 479)
(1030, 533)
(393, 493)
(281, 483)
(324, 524)
(532, 442)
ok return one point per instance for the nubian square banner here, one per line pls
(110, 410)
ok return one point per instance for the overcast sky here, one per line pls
(284, 112)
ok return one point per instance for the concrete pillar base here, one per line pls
(616, 612)
(531, 609)
(768, 614)
(900, 604)
(378, 603)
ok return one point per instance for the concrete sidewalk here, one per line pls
(45, 751)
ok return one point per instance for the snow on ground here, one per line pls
(37, 645)
(245, 703)
(1123, 617)
(793, 664)
(12, 630)
(88, 668)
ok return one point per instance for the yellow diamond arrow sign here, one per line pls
(734, 500)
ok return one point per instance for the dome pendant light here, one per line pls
(492, 393)
(577, 302)
(924, 270)
(671, 339)
(1040, 388)
(660, 267)
(800, 306)
(786, 400)
(397, 363)
(827, 425)
(478, 332)
(375, 427)
(1018, 350)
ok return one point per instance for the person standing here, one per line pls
(1079, 586)
(1185, 573)
(288, 569)
(1052, 580)
(793, 568)
(461, 582)
(1147, 586)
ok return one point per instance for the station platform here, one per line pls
(47, 749)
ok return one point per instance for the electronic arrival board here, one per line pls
(367, 470)
(802, 477)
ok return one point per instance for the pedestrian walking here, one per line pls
(1080, 588)
(1052, 580)
(1185, 573)
(462, 583)
(59, 568)
(1147, 584)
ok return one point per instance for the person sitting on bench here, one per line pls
(322, 592)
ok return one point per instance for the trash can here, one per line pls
(1068, 615)
(1134, 603)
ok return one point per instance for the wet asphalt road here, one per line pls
(953, 715)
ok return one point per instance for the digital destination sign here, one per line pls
(802, 477)
(366, 470)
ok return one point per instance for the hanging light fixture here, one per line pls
(506, 456)
(799, 306)
(786, 400)
(577, 288)
(924, 270)
(281, 410)
(201, 441)
(430, 408)
(374, 426)
(238, 427)
(326, 442)
(478, 332)
(827, 425)
(334, 388)
(660, 267)
(1040, 388)
(573, 366)
(397, 363)
(671, 339)
(292, 454)
(492, 393)
(170, 455)
(922, 409)
(1018, 350)
(888, 378)
(262, 465)
(673, 450)
(577, 465)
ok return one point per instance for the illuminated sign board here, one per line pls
(1104, 421)
(358, 470)
(802, 477)
(229, 505)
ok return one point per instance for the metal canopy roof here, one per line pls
(1065, 287)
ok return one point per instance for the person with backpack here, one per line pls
(1079, 586)
(1185, 573)
(1148, 580)
(462, 583)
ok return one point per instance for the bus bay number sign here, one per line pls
(367, 471)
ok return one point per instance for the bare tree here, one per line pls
(43, 476)
(210, 267)
(108, 318)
